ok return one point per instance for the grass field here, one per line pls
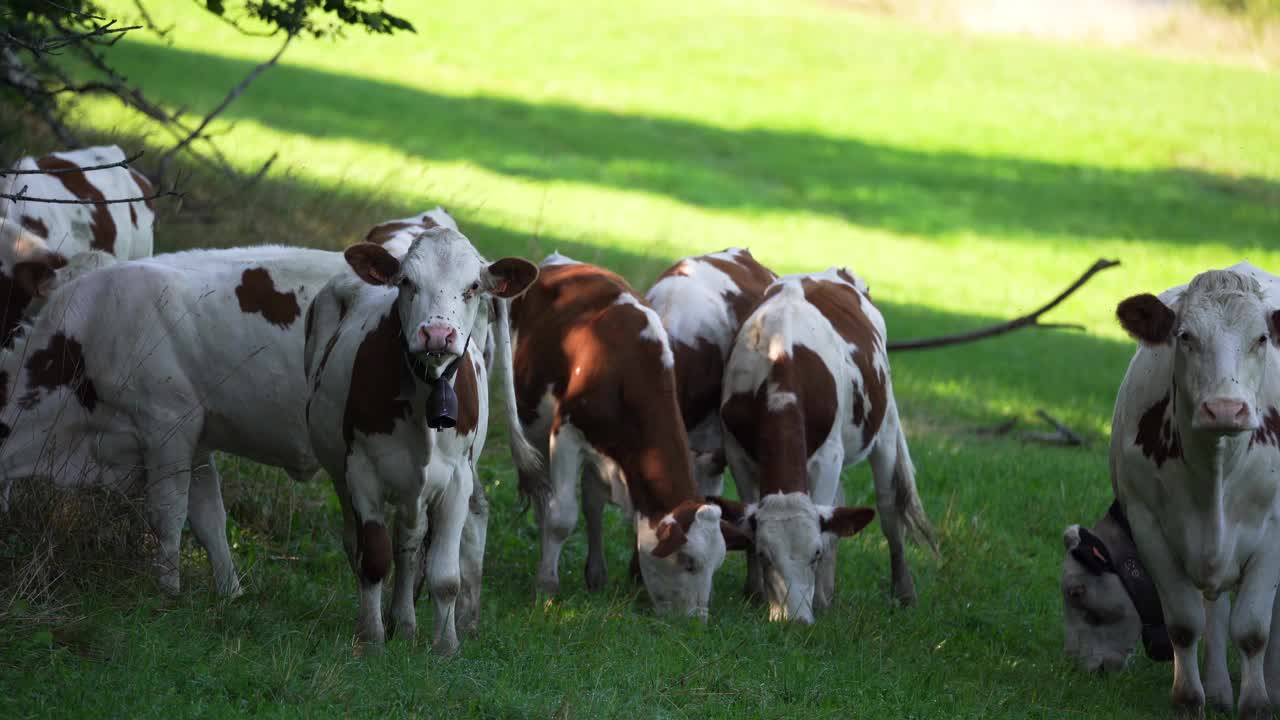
(966, 178)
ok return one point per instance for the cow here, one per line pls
(702, 301)
(38, 238)
(806, 393)
(1109, 602)
(1195, 461)
(394, 360)
(595, 389)
(141, 370)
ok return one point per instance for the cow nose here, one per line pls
(1075, 592)
(1224, 414)
(438, 337)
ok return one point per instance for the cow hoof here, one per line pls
(364, 649)
(1255, 708)
(1188, 709)
(547, 588)
(445, 647)
(904, 590)
(408, 631)
(596, 577)
(1217, 699)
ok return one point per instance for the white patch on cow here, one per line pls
(556, 258)
(778, 400)
(681, 581)
(691, 303)
(653, 330)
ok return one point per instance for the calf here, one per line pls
(1195, 460)
(37, 238)
(595, 387)
(806, 393)
(143, 369)
(702, 301)
(394, 357)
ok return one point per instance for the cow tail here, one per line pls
(527, 458)
(907, 500)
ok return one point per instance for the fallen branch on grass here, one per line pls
(1061, 435)
(1029, 320)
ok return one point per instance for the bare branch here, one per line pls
(151, 24)
(58, 171)
(237, 26)
(1028, 320)
(234, 93)
(20, 196)
(1067, 437)
(77, 13)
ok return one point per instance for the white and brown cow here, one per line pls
(141, 370)
(1195, 460)
(702, 301)
(394, 354)
(37, 238)
(595, 387)
(806, 393)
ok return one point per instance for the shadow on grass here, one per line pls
(753, 170)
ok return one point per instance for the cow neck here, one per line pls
(441, 409)
(1138, 585)
(657, 467)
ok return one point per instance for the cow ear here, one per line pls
(35, 277)
(671, 537)
(1092, 553)
(1274, 326)
(509, 276)
(844, 521)
(732, 510)
(734, 539)
(372, 263)
(1146, 318)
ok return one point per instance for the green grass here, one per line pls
(967, 179)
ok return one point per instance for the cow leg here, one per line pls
(208, 518)
(448, 516)
(368, 546)
(1217, 680)
(746, 479)
(411, 527)
(1272, 664)
(1251, 630)
(471, 558)
(884, 459)
(168, 490)
(559, 512)
(593, 499)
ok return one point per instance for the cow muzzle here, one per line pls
(1224, 415)
(438, 338)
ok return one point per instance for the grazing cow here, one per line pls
(1109, 601)
(146, 368)
(595, 387)
(806, 393)
(394, 356)
(37, 238)
(702, 301)
(1195, 460)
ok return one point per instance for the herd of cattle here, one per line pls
(374, 365)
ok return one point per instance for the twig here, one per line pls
(20, 197)
(77, 13)
(151, 24)
(1001, 429)
(232, 95)
(1067, 436)
(58, 171)
(1029, 320)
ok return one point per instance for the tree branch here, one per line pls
(21, 197)
(1028, 320)
(58, 171)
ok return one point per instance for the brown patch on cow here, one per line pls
(782, 441)
(683, 268)
(309, 322)
(61, 364)
(133, 215)
(35, 226)
(841, 305)
(100, 223)
(1156, 434)
(1268, 433)
(845, 275)
(328, 346)
(380, 234)
(748, 276)
(673, 535)
(468, 392)
(699, 370)
(609, 382)
(145, 187)
(374, 402)
(257, 294)
(373, 543)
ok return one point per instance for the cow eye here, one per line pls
(688, 563)
(1262, 340)
(1186, 337)
(406, 283)
(1092, 618)
(817, 555)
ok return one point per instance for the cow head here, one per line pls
(1101, 626)
(792, 537)
(1223, 335)
(442, 283)
(679, 555)
(27, 268)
